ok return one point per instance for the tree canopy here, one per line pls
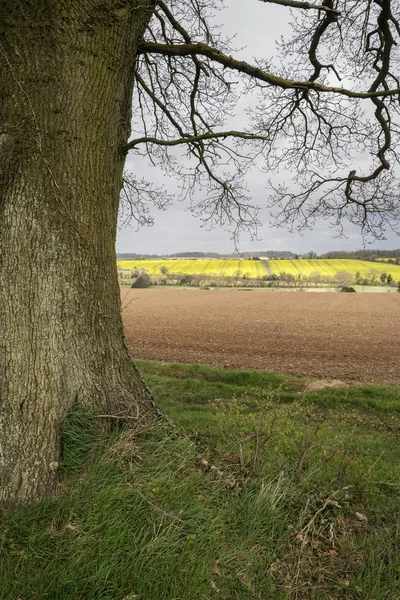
(327, 112)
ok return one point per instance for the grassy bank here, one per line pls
(268, 490)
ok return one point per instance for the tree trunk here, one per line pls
(66, 79)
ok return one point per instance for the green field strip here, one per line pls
(267, 267)
(262, 268)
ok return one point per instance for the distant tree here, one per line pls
(272, 277)
(186, 280)
(164, 270)
(288, 277)
(383, 277)
(315, 277)
(389, 279)
(372, 275)
(344, 278)
(142, 280)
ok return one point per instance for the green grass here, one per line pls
(266, 491)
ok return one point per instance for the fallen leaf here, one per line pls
(216, 470)
(71, 527)
(361, 517)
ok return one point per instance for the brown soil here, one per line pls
(348, 337)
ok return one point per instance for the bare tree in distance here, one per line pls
(344, 278)
(69, 70)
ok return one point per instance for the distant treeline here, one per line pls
(133, 256)
(266, 253)
(355, 254)
(363, 254)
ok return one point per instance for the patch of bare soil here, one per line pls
(342, 337)
(315, 385)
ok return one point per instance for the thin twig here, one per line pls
(302, 535)
(120, 418)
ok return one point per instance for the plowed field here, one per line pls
(331, 336)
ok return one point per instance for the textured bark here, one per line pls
(66, 79)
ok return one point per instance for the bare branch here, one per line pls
(255, 72)
(196, 138)
(138, 196)
(337, 143)
(303, 5)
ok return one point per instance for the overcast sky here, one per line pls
(176, 229)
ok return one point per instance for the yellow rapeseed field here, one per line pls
(208, 268)
(331, 266)
(258, 269)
